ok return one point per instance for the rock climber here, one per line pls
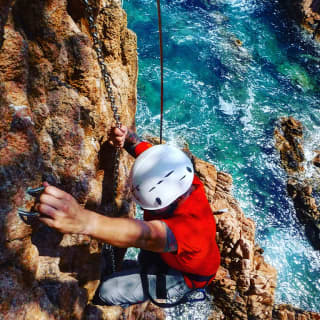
(177, 236)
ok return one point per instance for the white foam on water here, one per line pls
(247, 118)
(311, 143)
(227, 108)
(289, 253)
(239, 5)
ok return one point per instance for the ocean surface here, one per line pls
(225, 101)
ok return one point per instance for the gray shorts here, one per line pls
(125, 288)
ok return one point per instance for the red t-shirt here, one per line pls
(194, 228)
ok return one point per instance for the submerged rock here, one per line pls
(218, 17)
(297, 75)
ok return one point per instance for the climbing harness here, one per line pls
(161, 66)
(184, 299)
(151, 263)
(161, 293)
(107, 81)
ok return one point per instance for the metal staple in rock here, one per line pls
(114, 107)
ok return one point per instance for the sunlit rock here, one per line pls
(286, 312)
(55, 120)
(245, 284)
(307, 13)
(54, 125)
(289, 142)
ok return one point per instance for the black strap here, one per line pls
(183, 299)
(161, 291)
(152, 264)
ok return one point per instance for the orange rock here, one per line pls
(55, 119)
(54, 127)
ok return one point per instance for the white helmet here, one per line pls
(160, 175)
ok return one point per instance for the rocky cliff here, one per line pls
(303, 183)
(54, 126)
(55, 120)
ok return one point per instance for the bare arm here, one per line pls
(124, 232)
(61, 211)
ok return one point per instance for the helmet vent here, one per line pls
(183, 177)
(189, 169)
(168, 174)
(158, 201)
(152, 189)
(160, 181)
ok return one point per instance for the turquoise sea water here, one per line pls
(225, 101)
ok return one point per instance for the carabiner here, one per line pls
(34, 192)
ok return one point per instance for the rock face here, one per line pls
(54, 125)
(302, 189)
(289, 143)
(245, 283)
(307, 13)
(285, 312)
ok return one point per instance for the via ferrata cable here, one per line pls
(107, 82)
(161, 66)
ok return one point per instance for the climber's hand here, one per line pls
(59, 210)
(118, 136)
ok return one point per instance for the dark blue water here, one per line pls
(225, 100)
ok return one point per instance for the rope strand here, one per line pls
(161, 66)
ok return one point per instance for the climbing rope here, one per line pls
(161, 66)
(107, 81)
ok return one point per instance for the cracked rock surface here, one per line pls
(54, 126)
(303, 189)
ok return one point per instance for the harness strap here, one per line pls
(161, 291)
(152, 264)
(183, 299)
